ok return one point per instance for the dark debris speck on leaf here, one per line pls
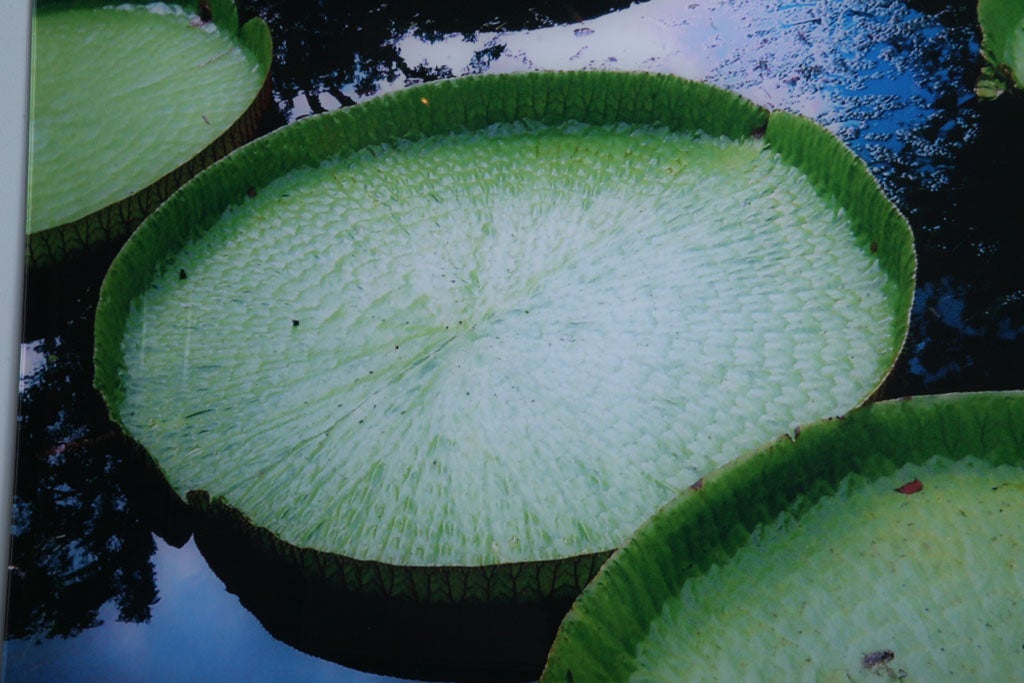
(874, 659)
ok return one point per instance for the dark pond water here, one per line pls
(97, 594)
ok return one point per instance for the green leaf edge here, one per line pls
(998, 19)
(703, 527)
(475, 102)
(115, 221)
(880, 228)
(508, 583)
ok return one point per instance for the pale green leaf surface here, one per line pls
(467, 329)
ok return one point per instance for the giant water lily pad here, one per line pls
(882, 546)
(1002, 29)
(493, 323)
(127, 102)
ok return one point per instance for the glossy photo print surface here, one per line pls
(376, 341)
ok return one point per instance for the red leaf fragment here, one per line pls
(697, 485)
(910, 487)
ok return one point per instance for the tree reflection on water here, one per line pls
(76, 540)
(85, 503)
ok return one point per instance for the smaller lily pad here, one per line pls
(886, 544)
(127, 102)
(1002, 45)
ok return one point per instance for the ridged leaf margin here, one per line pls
(494, 584)
(879, 227)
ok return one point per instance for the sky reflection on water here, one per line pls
(197, 632)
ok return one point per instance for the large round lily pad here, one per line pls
(883, 546)
(497, 321)
(128, 101)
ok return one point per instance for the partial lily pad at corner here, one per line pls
(886, 544)
(1002, 46)
(454, 345)
(127, 102)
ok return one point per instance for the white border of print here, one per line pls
(15, 24)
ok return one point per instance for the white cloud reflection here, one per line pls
(820, 58)
(699, 41)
